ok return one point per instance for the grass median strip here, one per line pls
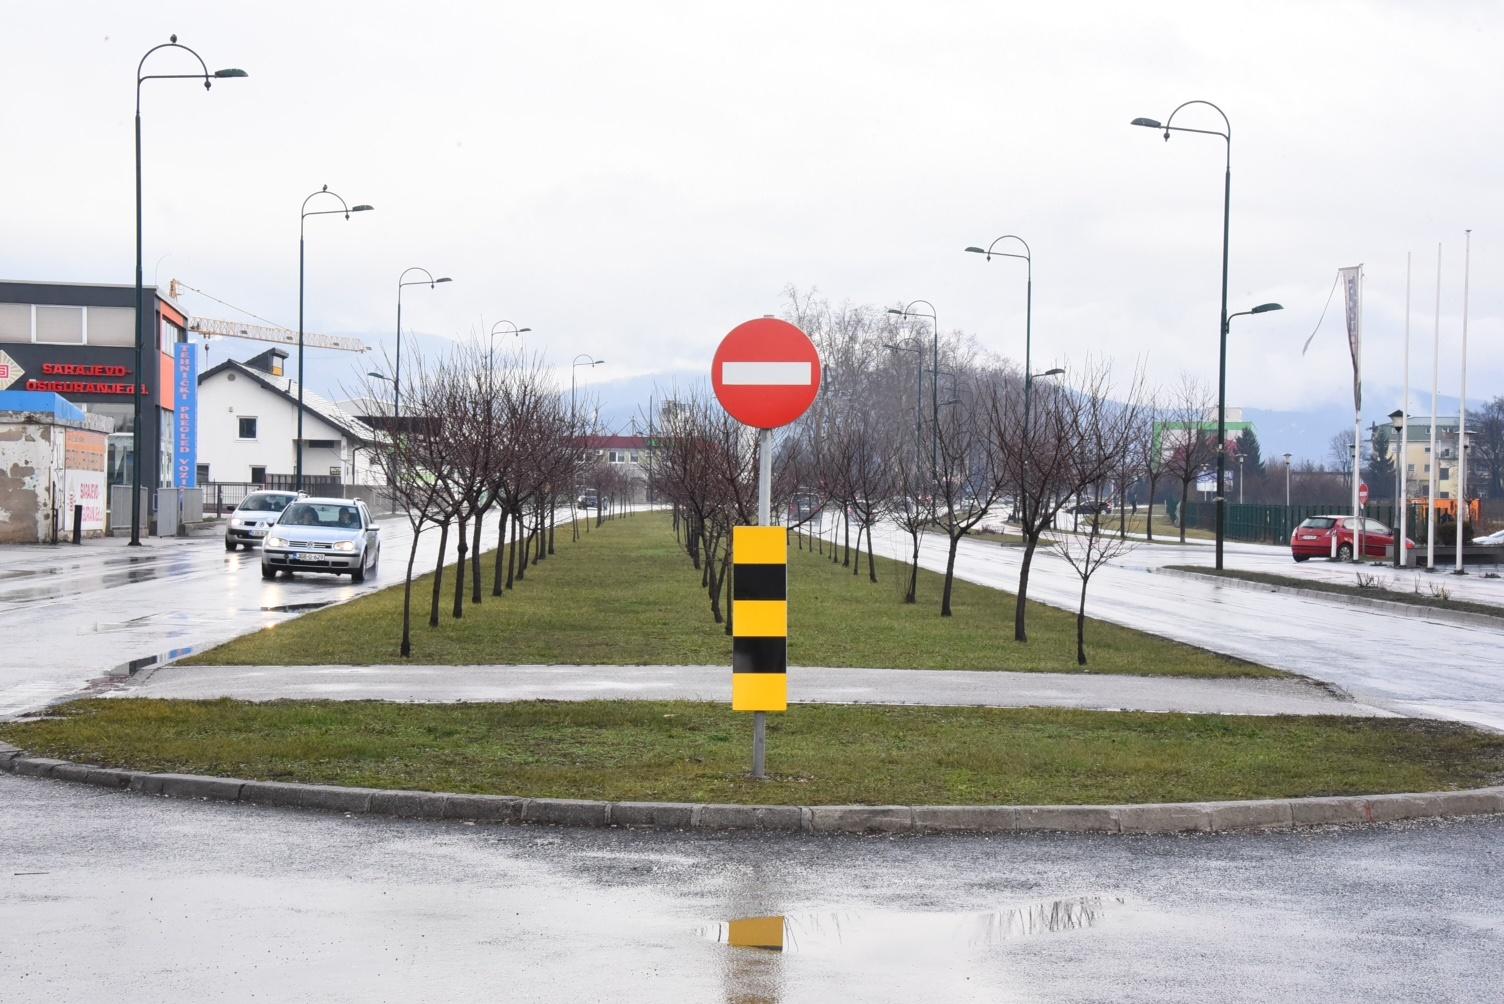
(1377, 591)
(683, 751)
(625, 594)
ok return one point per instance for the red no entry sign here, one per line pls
(766, 373)
(1362, 493)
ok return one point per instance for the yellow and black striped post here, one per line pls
(759, 618)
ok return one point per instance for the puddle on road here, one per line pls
(872, 932)
(298, 608)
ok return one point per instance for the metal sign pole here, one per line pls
(764, 518)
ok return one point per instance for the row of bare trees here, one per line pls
(487, 435)
(896, 444)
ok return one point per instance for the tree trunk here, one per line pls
(714, 587)
(1149, 509)
(1081, 626)
(846, 546)
(1021, 633)
(730, 606)
(480, 519)
(438, 574)
(542, 528)
(553, 519)
(912, 596)
(459, 572)
(871, 568)
(407, 597)
(1185, 491)
(950, 574)
(512, 549)
(501, 550)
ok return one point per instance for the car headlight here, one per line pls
(275, 542)
(237, 521)
(345, 545)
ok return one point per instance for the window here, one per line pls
(1409, 468)
(634, 457)
(1442, 473)
(247, 428)
(203, 473)
(58, 325)
(616, 457)
(15, 322)
(335, 472)
(258, 475)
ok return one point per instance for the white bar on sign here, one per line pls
(766, 374)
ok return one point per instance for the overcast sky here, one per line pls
(634, 179)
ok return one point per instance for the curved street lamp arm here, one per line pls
(907, 313)
(1210, 132)
(1026, 256)
(401, 279)
(320, 212)
(173, 44)
(515, 330)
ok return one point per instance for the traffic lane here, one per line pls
(202, 900)
(185, 599)
(1424, 666)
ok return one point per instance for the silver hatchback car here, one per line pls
(334, 536)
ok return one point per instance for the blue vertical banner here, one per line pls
(185, 415)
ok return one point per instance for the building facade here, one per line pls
(1418, 458)
(78, 341)
(52, 459)
(627, 459)
(247, 429)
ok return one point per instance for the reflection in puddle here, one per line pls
(873, 932)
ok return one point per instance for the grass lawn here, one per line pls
(681, 751)
(625, 594)
(1378, 591)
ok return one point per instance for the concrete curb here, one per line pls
(1376, 603)
(1171, 817)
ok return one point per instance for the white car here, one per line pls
(250, 519)
(1495, 539)
(334, 536)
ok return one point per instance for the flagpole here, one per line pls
(1403, 502)
(1431, 453)
(1467, 261)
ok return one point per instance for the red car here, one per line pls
(1313, 538)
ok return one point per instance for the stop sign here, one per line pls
(1363, 493)
(766, 373)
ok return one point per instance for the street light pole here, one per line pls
(346, 209)
(1028, 258)
(402, 282)
(1287, 479)
(918, 391)
(139, 375)
(934, 380)
(1222, 350)
(592, 362)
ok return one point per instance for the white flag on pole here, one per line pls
(1350, 292)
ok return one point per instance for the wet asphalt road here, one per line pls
(76, 615)
(1410, 665)
(120, 897)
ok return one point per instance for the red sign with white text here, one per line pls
(766, 373)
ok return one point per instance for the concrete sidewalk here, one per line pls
(810, 685)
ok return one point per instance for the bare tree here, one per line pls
(1086, 553)
(1190, 446)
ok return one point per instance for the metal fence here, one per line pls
(223, 496)
(1272, 524)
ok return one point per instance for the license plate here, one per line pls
(309, 556)
(1308, 536)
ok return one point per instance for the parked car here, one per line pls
(329, 535)
(249, 520)
(588, 500)
(1495, 539)
(1313, 538)
(1088, 506)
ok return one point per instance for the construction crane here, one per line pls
(209, 327)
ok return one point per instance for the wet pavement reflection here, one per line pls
(877, 932)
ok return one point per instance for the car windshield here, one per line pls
(265, 502)
(1319, 523)
(329, 515)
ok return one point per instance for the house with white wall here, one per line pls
(247, 429)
